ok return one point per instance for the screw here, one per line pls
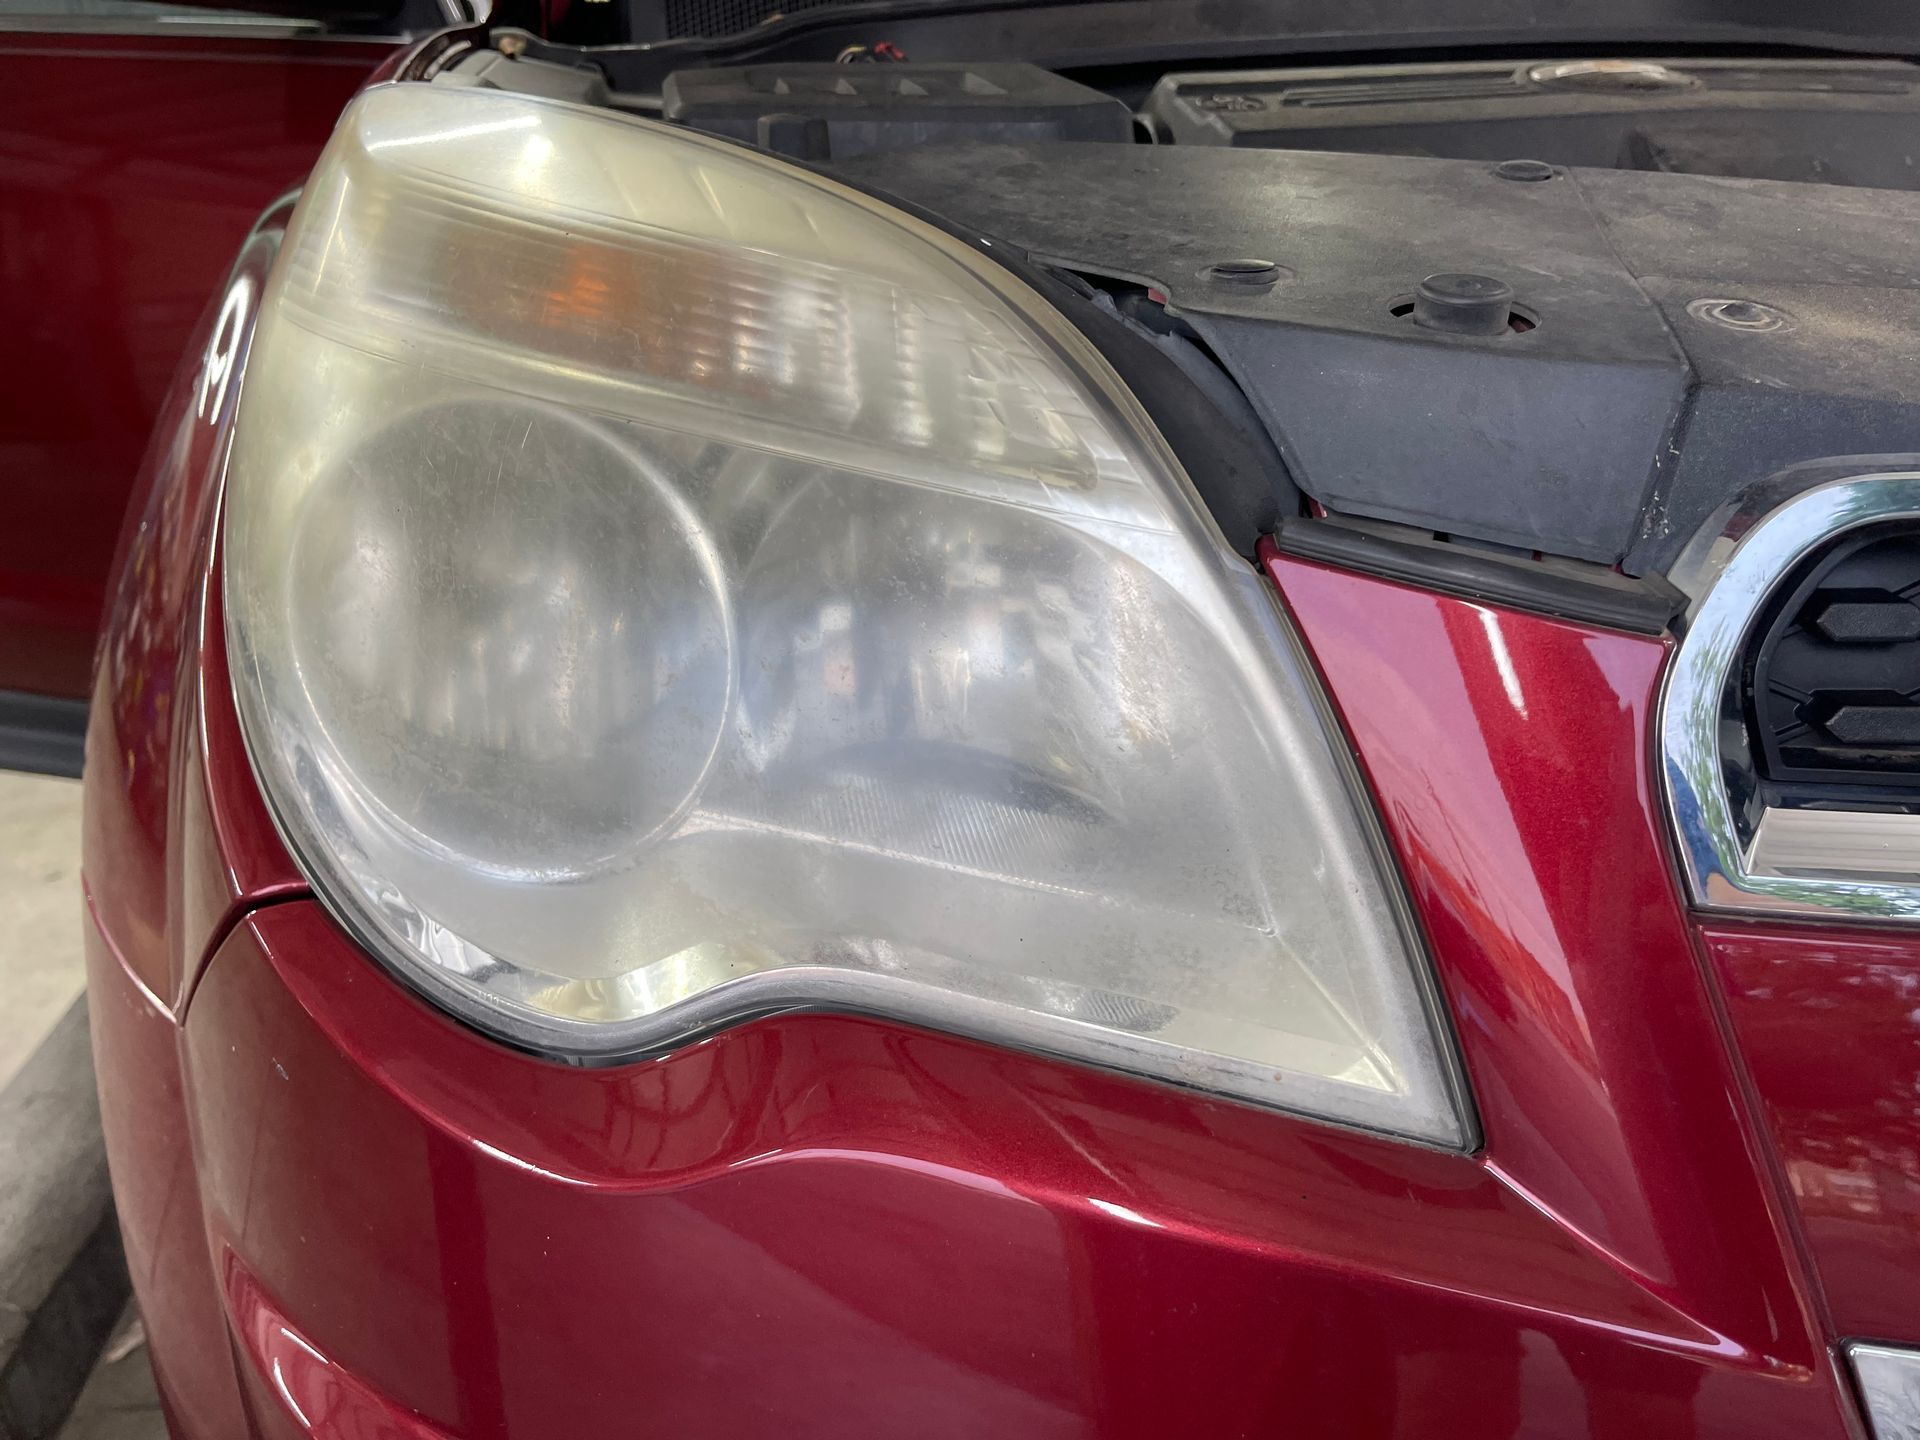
(1748, 315)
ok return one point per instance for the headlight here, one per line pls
(666, 587)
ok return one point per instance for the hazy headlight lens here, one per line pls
(665, 587)
(537, 688)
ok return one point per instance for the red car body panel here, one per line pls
(350, 1217)
(176, 870)
(1509, 756)
(135, 164)
(1829, 1021)
(830, 1226)
(143, 1113)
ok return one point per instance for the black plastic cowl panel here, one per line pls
(1607, 432)
(1834, 121)
(823, 111)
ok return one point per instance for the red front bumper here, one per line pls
(828, 1226)
(351, 1218)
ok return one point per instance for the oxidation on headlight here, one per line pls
(666, 587)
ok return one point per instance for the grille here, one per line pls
(1834, 687)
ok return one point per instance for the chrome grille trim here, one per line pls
(1735, 568)
(1889, 1381)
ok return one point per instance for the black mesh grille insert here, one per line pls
(1834, 685)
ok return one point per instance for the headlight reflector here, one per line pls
(666, 587)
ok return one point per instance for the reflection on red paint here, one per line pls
(134, 164)
(1509, 755)
(1829, 1022)
(318, 1396)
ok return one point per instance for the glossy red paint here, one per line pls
(153, 813)
(294, 1390)
(1829, 1023)
(152, 896)
(134, 164)
(833, 1226)
(143, 1113)
(1509, 757)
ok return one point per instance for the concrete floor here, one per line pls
(119, 1403)
(40, 917)
(40, 974)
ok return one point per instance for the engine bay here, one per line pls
(1489, 316)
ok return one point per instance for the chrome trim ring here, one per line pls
(1718, 862)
